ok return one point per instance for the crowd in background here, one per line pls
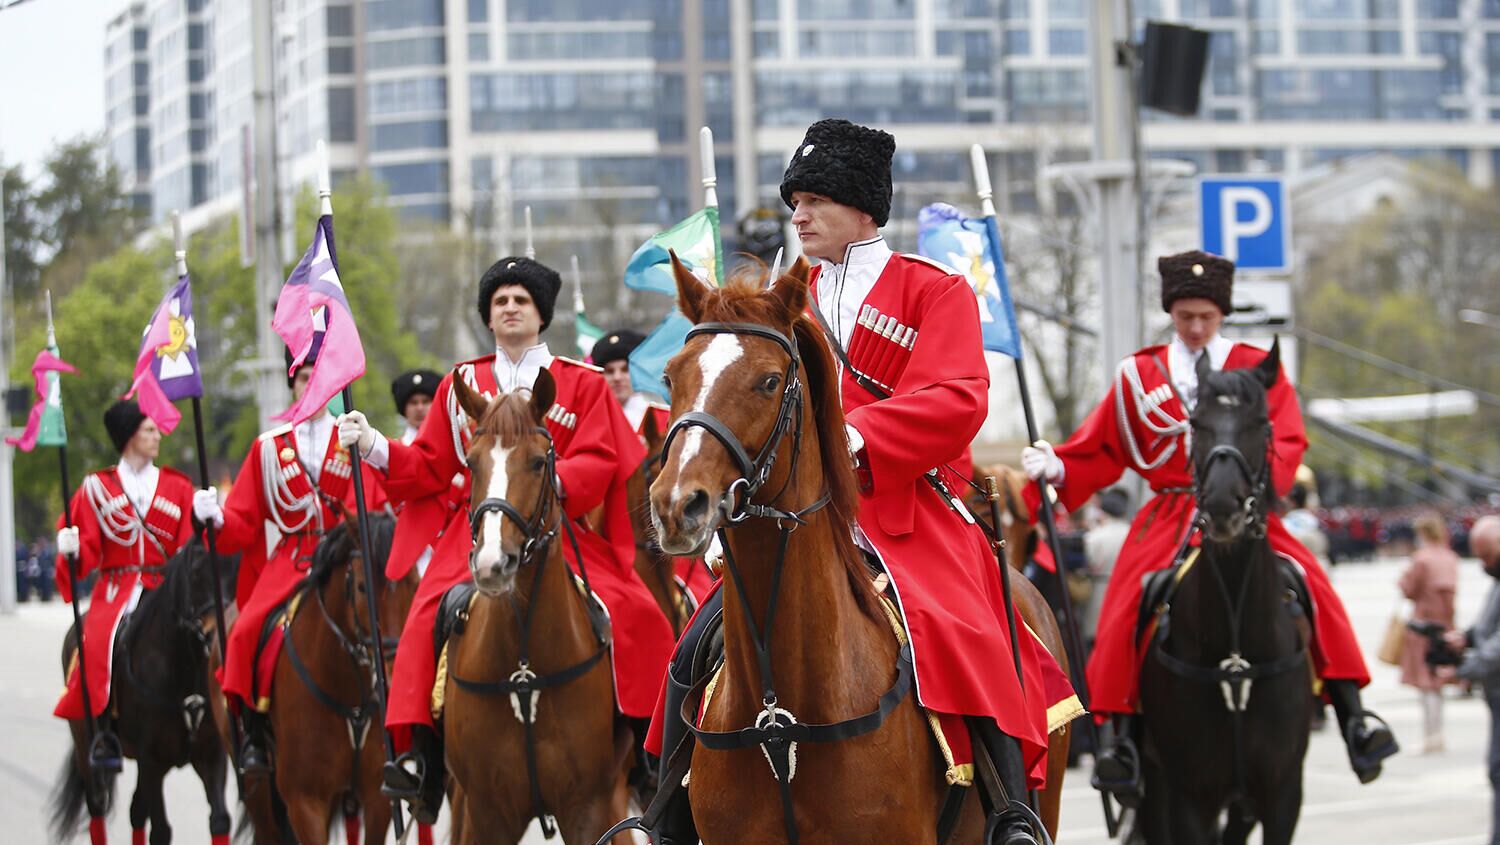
(34, 570)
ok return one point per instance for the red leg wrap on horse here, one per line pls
(351, 830)
(138, 836)
(424, 834)
(219, 839)
(97, 834)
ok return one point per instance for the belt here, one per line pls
(1172, 491)
(117, 571)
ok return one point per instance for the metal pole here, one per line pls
(1119, 208)
(7, 454)
(268, 390)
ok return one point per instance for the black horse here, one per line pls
(1225, 683)
(163, 701)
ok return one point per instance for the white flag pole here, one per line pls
(706, 163)
(577, 287)
(179, 246)
(530, 242)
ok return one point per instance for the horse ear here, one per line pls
(648, 427)
(470, 400)
(691, 290)
(791, 289)
(1270, 367)
(543, 394)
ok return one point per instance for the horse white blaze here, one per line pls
(720, 355)
(487, 557)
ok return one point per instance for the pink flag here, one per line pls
(46, 402)
(312, 312)
(167, 367)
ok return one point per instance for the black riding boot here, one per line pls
(417, 776)
(1014, 823)
(675, 825)
(1117, 767)
(1368, 737)
(255, 751)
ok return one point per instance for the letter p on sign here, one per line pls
(1245, 219)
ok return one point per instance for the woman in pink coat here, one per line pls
(1430, 581)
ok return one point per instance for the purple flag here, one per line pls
(166, 369)
(312, 306)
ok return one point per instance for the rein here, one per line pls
(524, 685)
(776, 730)
(1235, 675)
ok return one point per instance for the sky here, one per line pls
(51, 75)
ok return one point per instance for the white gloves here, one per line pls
(67, 541)
(206, 507)
(1039, 459)
(355, 429)
(714, 556)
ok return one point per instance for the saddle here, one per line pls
(1154, 617)
(268, 648)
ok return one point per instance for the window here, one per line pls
(847, 10)
(408, 95)
(340, 21)
(406, 52)
(550, 101)
(1066, 42)
(795, 98)
(424, 134)
(479, 11)
(580, 45)
(341, 121)
(340, 59)
(402, 14)
(479, 46)
(427, 177)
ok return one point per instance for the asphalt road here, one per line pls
(1438, 799)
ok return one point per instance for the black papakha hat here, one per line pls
(615, 346)
(412, 383)
(848, 163)
(122, 420)
(1196, 275)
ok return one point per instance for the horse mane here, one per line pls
(176, 581)
(743, 299)
(508, 417)
(337, 547)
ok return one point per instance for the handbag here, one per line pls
(1394, 641)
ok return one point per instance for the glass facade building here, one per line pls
(587, 110)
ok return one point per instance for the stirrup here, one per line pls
(1016, 813)
(1367, 763)
(401, 784)
(632, 823)
(106, 755)
(1118, 772)
(253, 758)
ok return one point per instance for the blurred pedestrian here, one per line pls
(1431, 582)
(1101, 545)
(1481, 662)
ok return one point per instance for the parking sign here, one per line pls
(1247, 220)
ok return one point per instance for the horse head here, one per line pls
(511, 460)
(1231, 444)
(740, 387)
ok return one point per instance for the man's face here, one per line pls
(514, 318)
(300, 380)
(416, 409)
(146, 443)
(1197, 321)
(1486, 547)
(617, 376)
(826, 228)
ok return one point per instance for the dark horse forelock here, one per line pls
(508, 418)
(745, 299)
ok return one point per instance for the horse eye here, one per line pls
(769, 383)
(666, 381)
(538, 464)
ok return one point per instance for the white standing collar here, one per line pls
(843, 287)
(1182, 364)
(513, 375)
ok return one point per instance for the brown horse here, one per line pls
(324, 712)
(655, 568)
(529, 706)
(834, 652)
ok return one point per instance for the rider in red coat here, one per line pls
(926, 361)
(596, 453)
(1142, 424)
(293, 478)
(128, 520)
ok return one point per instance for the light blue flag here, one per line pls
(649, 360)
(972, 248)
(696, 240)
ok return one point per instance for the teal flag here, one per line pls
(697, 243)
(649, 360)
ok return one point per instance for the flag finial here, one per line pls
(51, 332)
(325, 181)
(178, 246)
(706, 162)
(982, 185)
(530, 242)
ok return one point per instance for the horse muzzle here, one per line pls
(686, 521)
(494, 575)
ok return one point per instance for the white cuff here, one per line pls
(856, 440)
(380, 453)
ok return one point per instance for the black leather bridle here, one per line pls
(538, 537)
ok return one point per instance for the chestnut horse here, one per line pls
(1016, 527)
(529, 704)
(830, 643)
(656, 568)
(324, 712)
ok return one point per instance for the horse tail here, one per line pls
(70, 797)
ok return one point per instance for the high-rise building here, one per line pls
(587, 110)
